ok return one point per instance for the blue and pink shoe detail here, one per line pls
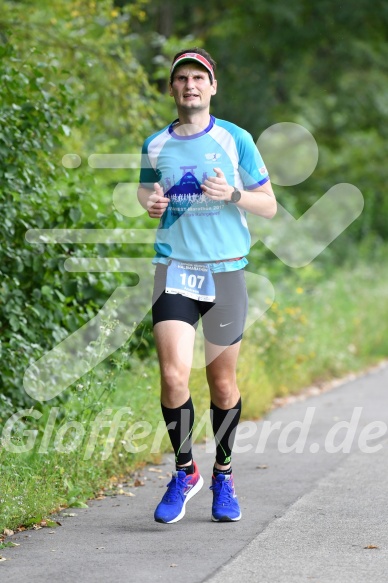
(180, 489)
(225, 507)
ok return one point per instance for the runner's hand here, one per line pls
(216, 187)
(157, 202)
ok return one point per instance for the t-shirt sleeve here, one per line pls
(251, 165)
(148, 175)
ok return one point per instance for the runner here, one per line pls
(199, 177)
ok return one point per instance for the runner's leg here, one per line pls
(225, 398)
(178, 413)
(225, 414)
(176, 401)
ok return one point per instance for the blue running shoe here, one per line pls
(225, 506)
(179, 491)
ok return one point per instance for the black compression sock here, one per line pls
(180, 423)
(187, 469)
(224, 423)
(227, 472)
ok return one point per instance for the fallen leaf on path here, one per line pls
(173, 565)
(371, 547)
(154, 470)
(138, 483)
(3, 559)
(262, 467)
(8, 532)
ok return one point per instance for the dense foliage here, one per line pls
(51, 104)
(40, 303)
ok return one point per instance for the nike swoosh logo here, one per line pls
(223, 325)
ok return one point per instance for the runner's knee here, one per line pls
(223, 390)
(174, 379)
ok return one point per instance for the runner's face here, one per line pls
(191, 87)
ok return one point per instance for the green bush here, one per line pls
(40, 302)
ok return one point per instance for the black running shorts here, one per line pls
(223, 320)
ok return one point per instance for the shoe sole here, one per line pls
(226, 519)
(194, 490)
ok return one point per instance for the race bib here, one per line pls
(193, 280)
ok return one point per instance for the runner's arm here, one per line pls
(258, 201)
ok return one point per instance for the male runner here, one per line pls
(199, 177)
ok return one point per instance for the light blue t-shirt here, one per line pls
(194, 227)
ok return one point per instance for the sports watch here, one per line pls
(236, 195)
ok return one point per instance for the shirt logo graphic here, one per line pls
(213, 156)
(223, 325)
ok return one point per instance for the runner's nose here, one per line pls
(190, 83)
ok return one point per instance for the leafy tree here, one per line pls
(88, 44)
(67, 84)
(33, 114)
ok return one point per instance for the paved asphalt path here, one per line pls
(308, 516)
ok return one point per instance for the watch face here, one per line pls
(236, 195)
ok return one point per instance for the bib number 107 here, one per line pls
(190, 280)
(193, 281)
